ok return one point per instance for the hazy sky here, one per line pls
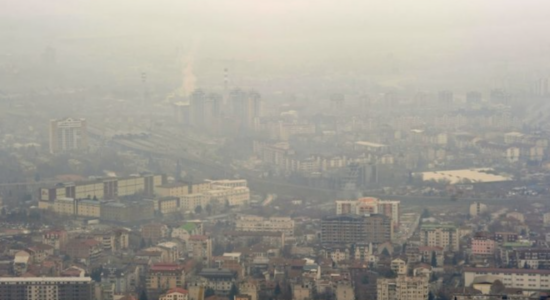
(420, 35)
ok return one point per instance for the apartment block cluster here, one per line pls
(211, 192)
(370, 205)
(137, 198)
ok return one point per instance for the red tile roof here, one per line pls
(177, 290)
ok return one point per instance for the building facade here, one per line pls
(351, 229)
(274, 224)
(68, 135)
(46, 288)
(440, 235)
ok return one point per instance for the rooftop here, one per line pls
(46, 279)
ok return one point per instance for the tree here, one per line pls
(143, 295)
(96, 274)
(385, 252)
(434, 259)
(425, 213)
(431, 296)
(227, 205)
(455, 260)
(365, 279)
(233, 292)
(277, 290)
(209, 292)
(198, 209)
(497, 287)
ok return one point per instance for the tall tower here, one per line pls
(67, 135)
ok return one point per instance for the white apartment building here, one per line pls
(370, 205)
(232, 183)
(235, 196)
(525, 279)
(440, 235)
(68, 134)
(274, 224)
(191, 201)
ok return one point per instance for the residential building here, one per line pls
(55, 238)
(65, 206)
(88, 208)
(104, 188)
(219, 279)
(201, 247)
(428, 252)
(525, 279)
(370, 205)
(21, 262)
(67, 135)
(516, 215)
(403, 288)
(47, 288)
(533, 258)
(273, 224)
(122, 279)
(399, 266)
(175, 294)
(232, 196)
(87, 251)
(127, 212)
(162, 277)
(154, 232)
(546, 218)
(250, 288)
(173, 189)
(506, 237)
(477, 208)
(301, 291)
(483, 244)
(233, 183)
(167, 205)
(440, 235)
(348, 229)
(190, 202)
(344, 291)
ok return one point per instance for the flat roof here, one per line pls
(509, 271)
(46, 279)
(435, 226)
(370, 144)
(478, 175)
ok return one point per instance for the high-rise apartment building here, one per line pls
(68, 134)
(246, 107)
(440, 235)
(46, 288)
(370, 205)
(477, 208)
(403, 288)
(351, 229)
(201, 248)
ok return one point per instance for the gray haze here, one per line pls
(426, 44)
